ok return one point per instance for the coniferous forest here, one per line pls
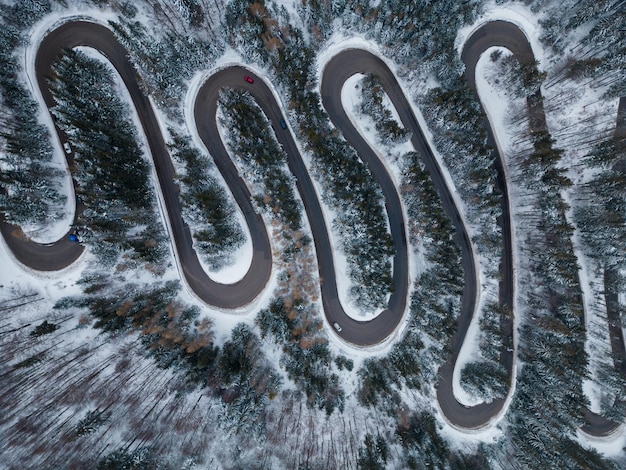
(506, 348)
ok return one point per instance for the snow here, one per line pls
(55, 284)
(460, 438)
(610, 446)
(470, 352)
(241, 258)
(585, 102)
(292, 9)
(243, 255)
(486, 284)
(597, 342)
(14, 273)
(586, 112)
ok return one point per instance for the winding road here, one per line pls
(55, 256)
(508, 35)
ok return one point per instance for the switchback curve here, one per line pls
(63, 252)
(510, 36)
(360, 333)
(55, 256)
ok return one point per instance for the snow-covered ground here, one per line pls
(340, 42)
(53, 286)
(240, 258)
(351, 99)
(563, 122)
(63, 283)
(231, 57)
(586, 113)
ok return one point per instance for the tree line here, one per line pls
(110, 168)
(206, 206)
(28, 181)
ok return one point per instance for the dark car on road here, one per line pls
(283, 124)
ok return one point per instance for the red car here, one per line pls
(248, 79)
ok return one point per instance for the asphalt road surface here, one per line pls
(360, 333)
(337, 71)
(55, 256)
(63, 253)
(508, 35)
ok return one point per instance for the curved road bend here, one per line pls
(337, 71)
(62, 253)
(508, 35)
(505, 34)
(361, 333)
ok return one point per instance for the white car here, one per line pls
(337, 326)
(67, 148)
